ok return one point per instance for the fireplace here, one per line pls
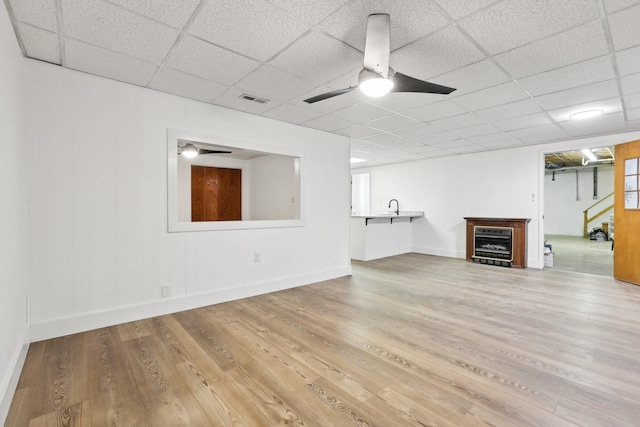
(497, 241)
(493, 245)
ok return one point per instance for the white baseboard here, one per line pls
(438, 252)
(86, 322)
(9, 383)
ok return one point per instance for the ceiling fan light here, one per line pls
(585, 114)
(189, 151)
(373, 84)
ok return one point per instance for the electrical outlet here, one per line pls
(257, 257)
(166, 291)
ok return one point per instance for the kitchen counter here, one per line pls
(391, 216)
(381, 235)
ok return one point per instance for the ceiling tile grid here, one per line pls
(521, 68)
(254, 28)
(109, 26)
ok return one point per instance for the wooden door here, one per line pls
(626, 220)
(216, 194)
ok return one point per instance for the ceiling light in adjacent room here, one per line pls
(356, 160)
(589, 154)
(189, 151)
(585, 114)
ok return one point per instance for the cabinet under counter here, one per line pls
(381, 235)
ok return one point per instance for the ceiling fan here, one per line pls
(190, 151)
(377, 78)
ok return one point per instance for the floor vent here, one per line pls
(254, 98)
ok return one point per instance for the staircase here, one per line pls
(588, 219)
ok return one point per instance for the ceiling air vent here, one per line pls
(254, 98)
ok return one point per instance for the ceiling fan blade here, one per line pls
(404, 83)
(201, 152)
(377, 44)
(329, 95)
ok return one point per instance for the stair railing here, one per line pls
(588, 219)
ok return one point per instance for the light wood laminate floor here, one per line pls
(411, 340)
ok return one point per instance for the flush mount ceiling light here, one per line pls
(189, 151)
(356, 160)
(585, 114)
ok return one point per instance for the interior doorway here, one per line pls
(578, 210)
(360, 194)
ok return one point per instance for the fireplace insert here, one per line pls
(493, 245)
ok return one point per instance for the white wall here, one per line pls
(273, 188)
(503, 183)
(563, 214)
(14, 253)
(100, 247)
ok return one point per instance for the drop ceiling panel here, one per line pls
(254, 28)
(509, 24)
(628, 61)
(170, 12)
(40, 44)
(39, 13)
(452, 144)
(417, 132)
(579, 95)
(513, 109)
(203, 59)
(272, 83)
(328, 123)
(328, 105)
(458, 122)
(490, 97)
(404, 144)
(473, 148)
(383, 139)
(310, 11)
(362, 112)
(436, 111)
(410, 20)
(186, 85)
(493, 137)
(109, 26)
(390, 123)
(291, 114)
(471, 78)
(482, 129)
(103, 62)
(625, 31)
(400, 102)
(630, 84)
(437, 138)
(575, 45)
(545, 137)
(319, 57)
(448, 49)
(607, 123)
(358, 131)
(535, 130)
(580, 74)
(615, 5)
(522, 122)
(460, 8)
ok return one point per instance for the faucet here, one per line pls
(397, 206)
